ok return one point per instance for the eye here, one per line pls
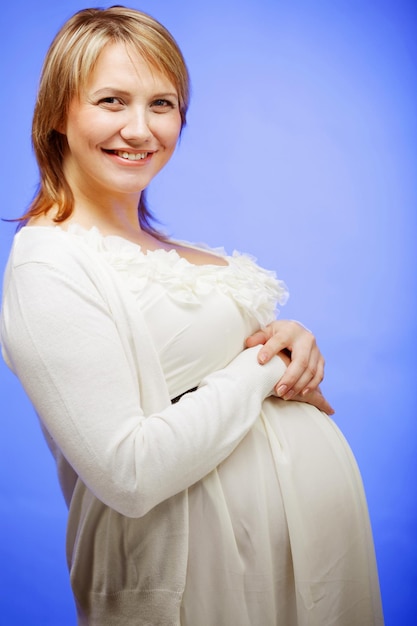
(162, 104)
(111, 102)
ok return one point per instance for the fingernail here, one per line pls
(281, 390)
(262, 357)
(289, 395)
(305, 391)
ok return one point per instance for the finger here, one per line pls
(298, 376)
(310, 379)
(317, 399)
(272, 346)
(256, 339)
(287, 389)
(317, 379)
(306, 370)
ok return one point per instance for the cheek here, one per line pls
(85, 128)
(169, 131)
(76, 133)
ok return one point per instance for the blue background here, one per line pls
(301, 149)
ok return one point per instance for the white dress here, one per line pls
(279, 533)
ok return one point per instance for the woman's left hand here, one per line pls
(305, 362)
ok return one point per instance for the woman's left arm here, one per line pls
(298, 348)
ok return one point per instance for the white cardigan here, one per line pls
(74, 336)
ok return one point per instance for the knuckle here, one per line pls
(311, 370)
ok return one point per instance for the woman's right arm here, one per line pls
(62, 342)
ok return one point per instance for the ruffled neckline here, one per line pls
(256, 290)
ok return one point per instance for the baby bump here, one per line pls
(309, 450)
(322, 494)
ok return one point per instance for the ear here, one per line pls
(60, 128)
(60, 124)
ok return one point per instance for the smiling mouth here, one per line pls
(128, 156)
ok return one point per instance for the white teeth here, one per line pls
(131, 156)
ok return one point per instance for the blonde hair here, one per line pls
(67, 68)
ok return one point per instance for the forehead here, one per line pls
(119, 63)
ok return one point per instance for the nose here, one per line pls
(136, 128)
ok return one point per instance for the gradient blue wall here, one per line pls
(300, 148)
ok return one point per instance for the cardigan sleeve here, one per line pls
(61, 340)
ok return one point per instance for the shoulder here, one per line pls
(48, 245)
(45, 254)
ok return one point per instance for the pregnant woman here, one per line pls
(206, 483)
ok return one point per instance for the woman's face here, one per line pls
(122, 129)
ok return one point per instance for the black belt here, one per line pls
(175, 400)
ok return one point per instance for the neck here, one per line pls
(97, 206)
(109, 213)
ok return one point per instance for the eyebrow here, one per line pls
(120, 92)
